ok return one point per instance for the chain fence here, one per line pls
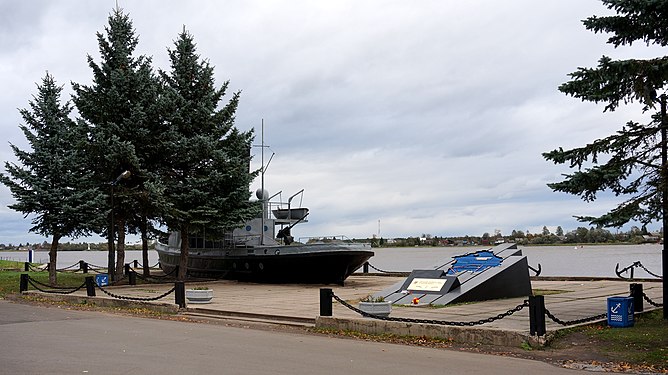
(575, 321)
(383, 271)
(630, 268)
(118, 296)
(54, 289)
(432, 321)
(655, 304)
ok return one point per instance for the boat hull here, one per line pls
(310, 263)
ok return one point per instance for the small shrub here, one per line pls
(371, 298)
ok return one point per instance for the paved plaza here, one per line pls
(567, 300)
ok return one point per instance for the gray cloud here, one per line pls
(430, 117)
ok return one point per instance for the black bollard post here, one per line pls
(638, 295)
(26, 266)
(136, 263)
(127, 269)
(83, 266)
(132, 277)
(325, 302)
(537, 315)
(180, 294)
(366, 267)
(23, 284)
(90, 286)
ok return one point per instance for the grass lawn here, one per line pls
(645, 343)
(10, 276)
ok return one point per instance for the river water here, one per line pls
(597, 261)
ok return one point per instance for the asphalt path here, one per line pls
(51, 340)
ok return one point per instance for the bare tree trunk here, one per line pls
(664, 196)
(53, 257)
(183, 259)
(120, 250)
(144, 247)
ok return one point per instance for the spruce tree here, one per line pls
(52, 180)
(122, 111)
(207, 175)
(633, 162)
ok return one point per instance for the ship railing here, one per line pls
(281, 204)
(312, 239)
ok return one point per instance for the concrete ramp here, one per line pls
(499, 272)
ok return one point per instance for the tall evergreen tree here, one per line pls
(52, 180)
(207, 175)
(122, 109)
(633, 162)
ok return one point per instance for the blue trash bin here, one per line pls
(620, 312)
(102, 279)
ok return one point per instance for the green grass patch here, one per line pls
(645, 343)
(547, 292)
(11, 265)
(644, 346)
(10, 279)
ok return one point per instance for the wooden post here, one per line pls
(90, 286)
(637, 294)
(180, 294)
(325, 302)
(537, 315)
(23, 285)
(83, 266)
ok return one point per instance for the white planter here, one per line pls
(376, 308)
(199, 295)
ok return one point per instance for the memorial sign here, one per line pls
(426, 285)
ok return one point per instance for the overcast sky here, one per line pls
(398, 118)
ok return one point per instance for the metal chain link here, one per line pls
(35, 283)
(432, 321)
(35, 269)
(49, 286)
(573, 322)
(67, 268)
(655, 304)
(96, 266)
(165, 275)
(151, 279)
(636, 264)
(648, 271)
(136, 298)
(381, 271)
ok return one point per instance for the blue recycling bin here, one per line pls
(102, 279)
(620, 312)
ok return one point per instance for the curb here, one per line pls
(106, 302)
(466, 335)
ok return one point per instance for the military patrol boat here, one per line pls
(263, 250)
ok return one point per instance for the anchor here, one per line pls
(625, 269)
(537, 271)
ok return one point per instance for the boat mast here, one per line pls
(264, 195)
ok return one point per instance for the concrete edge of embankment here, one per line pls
(464, 335)
(106, 302)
